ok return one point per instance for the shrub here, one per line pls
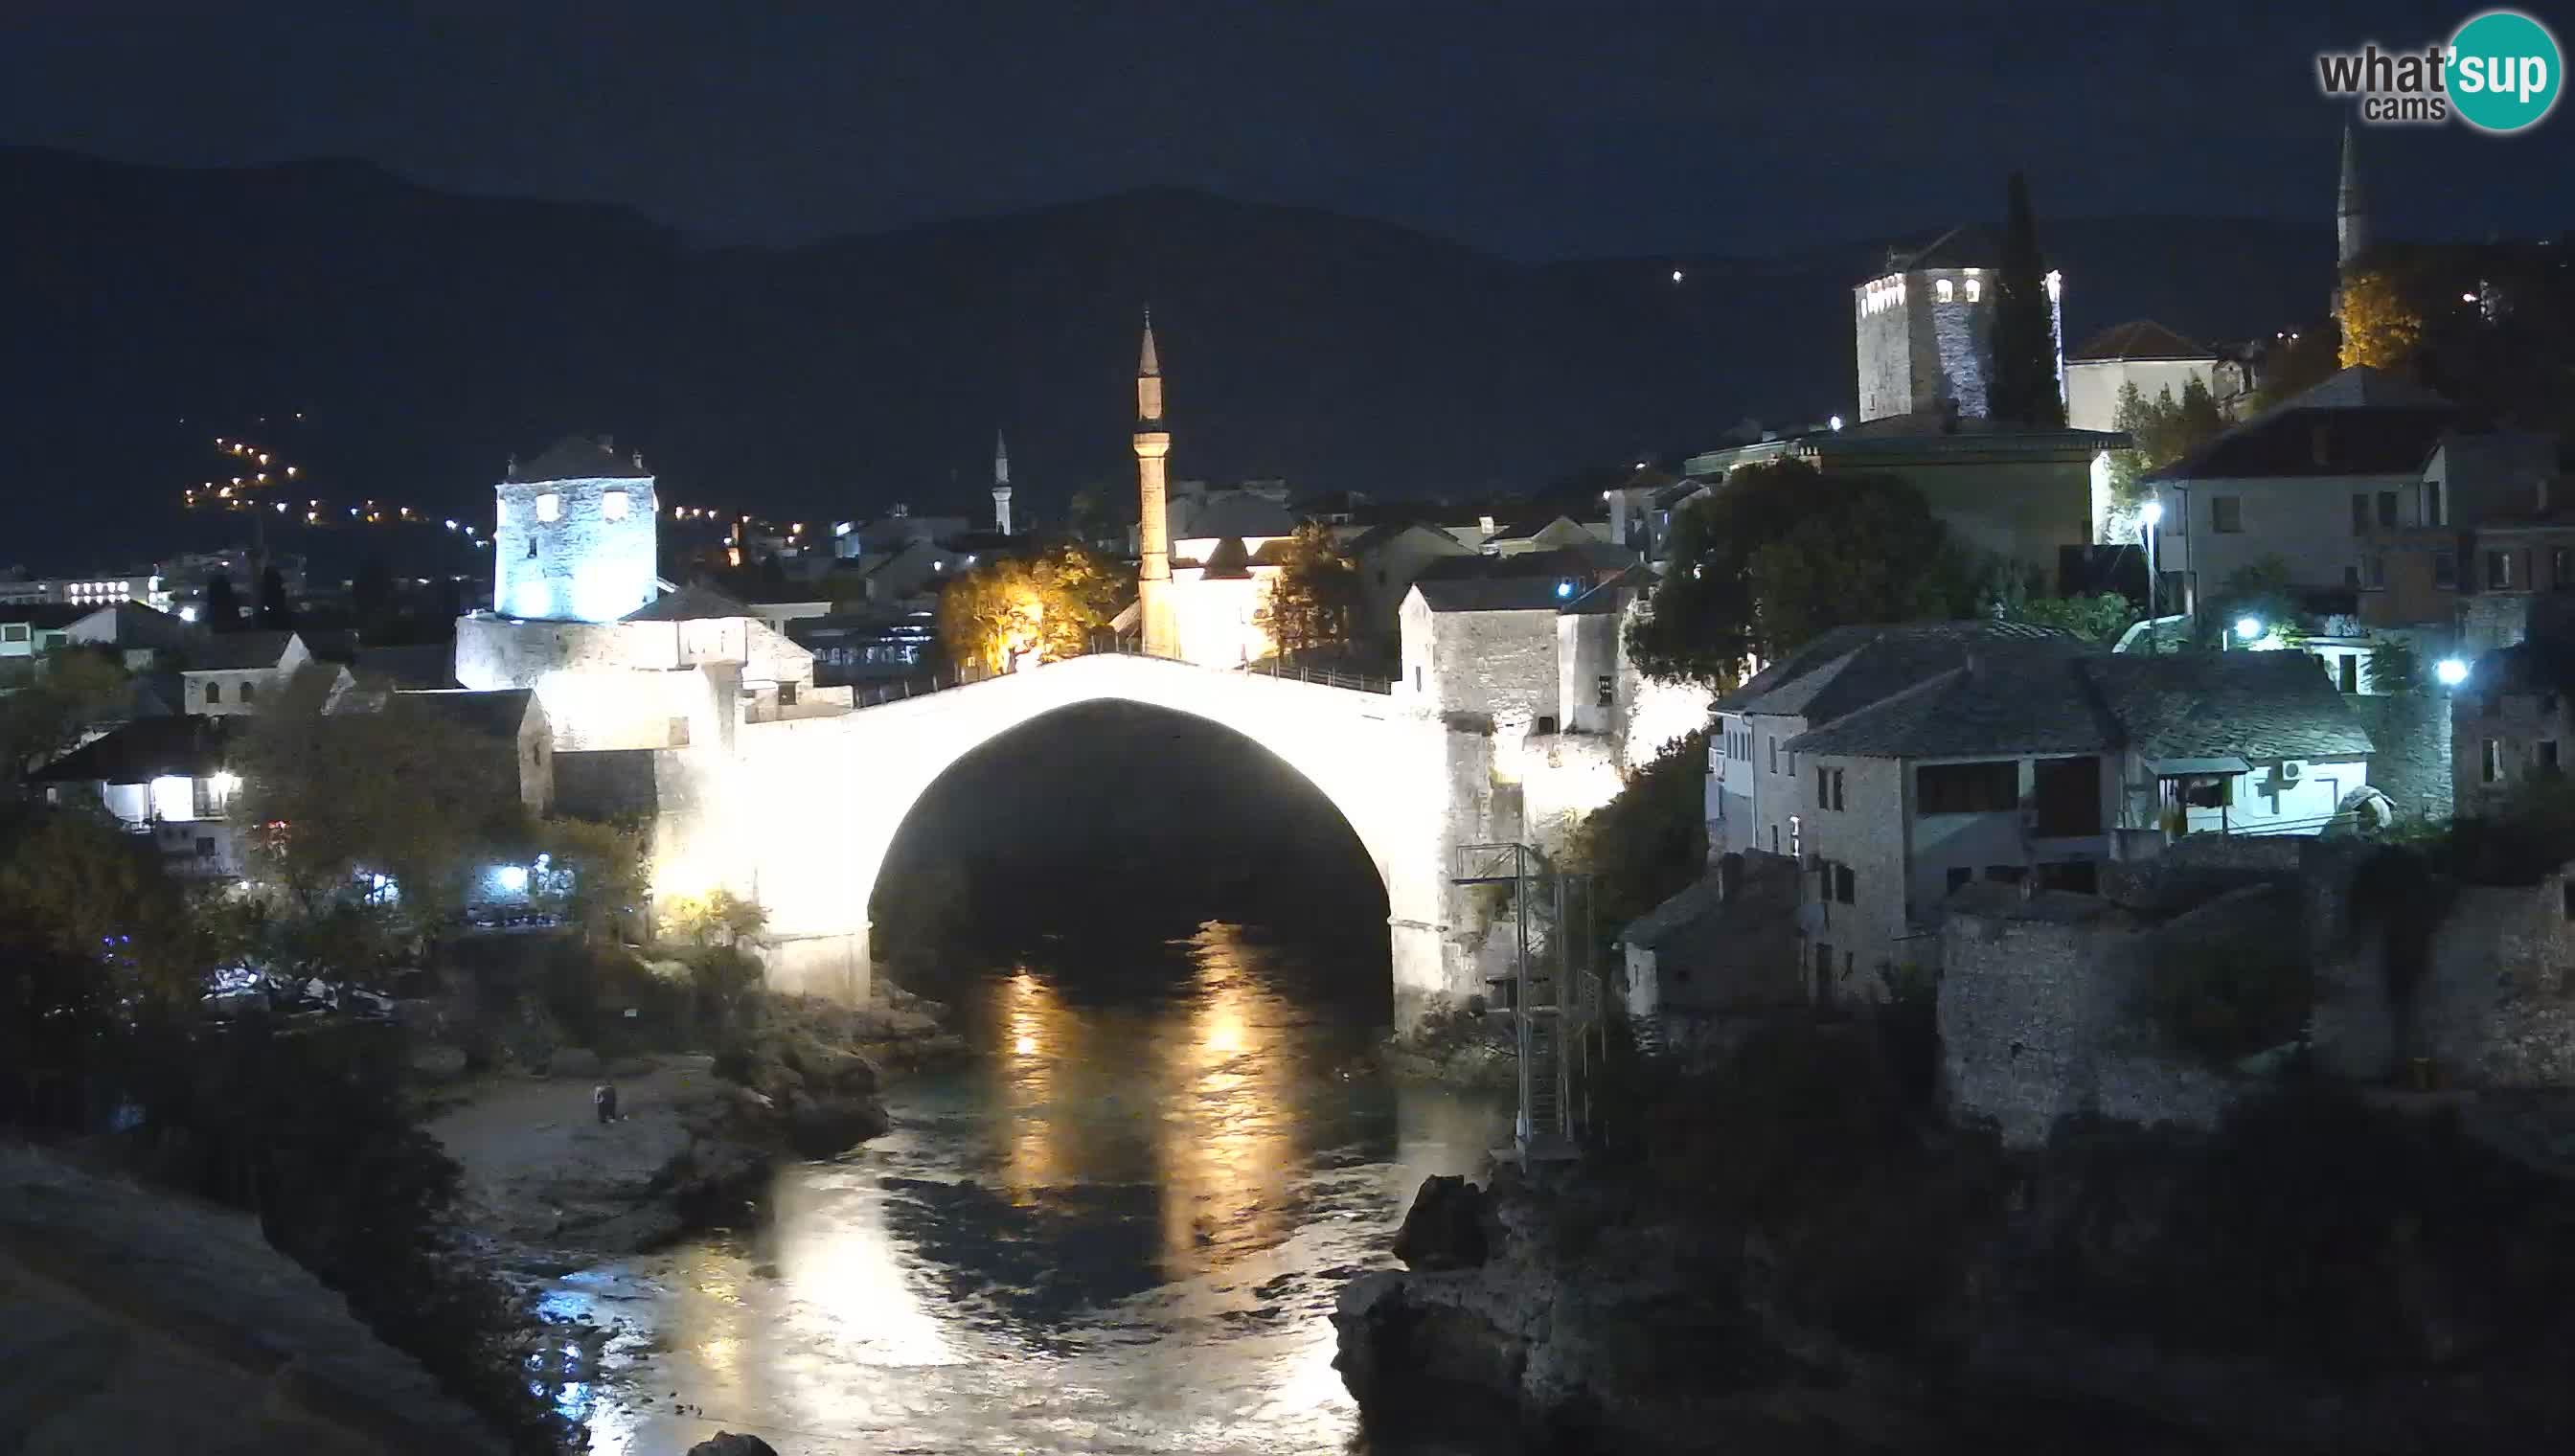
(2229, 1000)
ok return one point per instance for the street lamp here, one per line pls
(2149, 517)
(2248, 628)
(2451, 671)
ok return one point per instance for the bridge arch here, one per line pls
(807, 810)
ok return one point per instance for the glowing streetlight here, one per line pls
(2451, 671)
(2248, 628)
(1835, 422)
(2152, 513)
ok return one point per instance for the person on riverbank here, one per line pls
(604, 1097)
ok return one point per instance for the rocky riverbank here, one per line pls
(2320, 1275)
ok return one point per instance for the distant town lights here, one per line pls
(2451, 671)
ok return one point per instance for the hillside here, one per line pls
(427, 336)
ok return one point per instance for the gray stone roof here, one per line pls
(2259, 705)
(2139, 339)
(1701, 911)
(2361, 421)
(582, 457)
(690, 603)
(1849, 667)
(493, 713)
(237, 651)
(1241, 512)
(1493, 594)
(2254, 706)
(147, 749)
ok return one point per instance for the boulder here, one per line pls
(573, 1061)
(731, 1443)
(826, 1126)
(436, 1061)
(831, 1068)
(1444, 1228)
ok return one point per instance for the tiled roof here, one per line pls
(2019, 700)
(2140, 339)
(2255, 705)
(1228, 560)
(1241, 512)
(1849, 667)
(237, 651)
(581, 458)
(1702, 910)
(2275, 705)
(2362, 421)
(1493, 594)
(689, 603)
(412, 664)
(145, 749)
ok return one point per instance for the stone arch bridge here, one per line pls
(801, 812)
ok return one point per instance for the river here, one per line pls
(1119, 1228)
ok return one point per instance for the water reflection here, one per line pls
(1122, 1228)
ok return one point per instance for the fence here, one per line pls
(923, 686)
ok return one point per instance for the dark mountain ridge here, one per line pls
(429, 336)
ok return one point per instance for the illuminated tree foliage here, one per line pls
(2160, 430)
(2381, 328)
(1048, 606)
(1313, 604)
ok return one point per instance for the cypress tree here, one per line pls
(273, 614)
(222, 608)
(2024, 388)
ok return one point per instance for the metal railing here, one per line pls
(955, 677)
(1322, 677)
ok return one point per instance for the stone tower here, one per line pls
(576, 535)
(2351, 207)
(1924, 329)
(1000, 484)
(1154, 606)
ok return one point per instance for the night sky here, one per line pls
(1536, 131)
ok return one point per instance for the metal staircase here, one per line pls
(1552, 993)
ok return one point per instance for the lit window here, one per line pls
(1946, 289)
(612, 505)
(1976, 289)
(550, 506)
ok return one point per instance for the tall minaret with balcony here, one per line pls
(1160, 627)
(1000, 484)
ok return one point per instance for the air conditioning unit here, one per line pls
(2290, 768)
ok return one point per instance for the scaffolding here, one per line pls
(1552, 993)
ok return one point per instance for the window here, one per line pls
(2490, 769)
(2226, 513)
(1606, 691)
(2387, 507)
(1797, 836)
(612, 504)
(1837, 789)
(2445, 571)
(1774, 756)
(2566, 898)
(1775, 838)
(248, 691)
(204, 848)
(14, 631)
(1846, 884)
(1417, 680)
(2378, 568)
(2544, 758)
(1958, 877)
(550, 506)
(2359, 513)
(1947, 289)
(2349, 676)
(1976, 289)
(214, 693)
(2499, 571)
(2066, 795)
(787, 695)
(2208, 791)
(2432, 503)
(1823, 788)
(1966, 789)
(1544, 725)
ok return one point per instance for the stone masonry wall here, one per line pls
(2496, 1006)
(2410, 762)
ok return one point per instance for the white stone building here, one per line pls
(2140, 352)
(1925, 328)
(167, 777)
(233, 672)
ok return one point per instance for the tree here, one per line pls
(716, 917)
(273, 612)
(2381, 328)
(2025, 388)
(371, 598)
(72, 690)
(2098, 618)
(1313, 603)
(1704, 622)
(2393, 666)
(1044, 608)
(1650, 838)
(595, 871)
(2160, 432)
(347, 797)
(1873, 560)
(222, 608)
(1091, 517)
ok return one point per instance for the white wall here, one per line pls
(580, 566)
(2303, 520)
(2092, 384)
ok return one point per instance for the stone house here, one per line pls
(2027, 763)
(167, 777)
(231, 672)
(2510, 725)
(32, 629)
(2140, 352)
(2312, 482)
(575, 534)
(140, 635)
(1389, 559)
(1726, 944)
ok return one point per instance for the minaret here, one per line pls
(1154, 527)
(1000, 484)
(2351, 207)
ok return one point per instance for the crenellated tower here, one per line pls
(1154, 608)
